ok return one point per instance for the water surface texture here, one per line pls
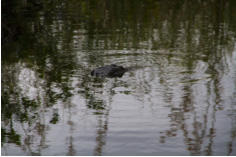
(178, 99)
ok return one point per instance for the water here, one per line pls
(181, 100)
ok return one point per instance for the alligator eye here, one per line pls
(92, 72)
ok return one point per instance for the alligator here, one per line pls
(109, 71)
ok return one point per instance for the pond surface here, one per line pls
(180, 99)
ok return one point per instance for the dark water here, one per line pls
(181, 100)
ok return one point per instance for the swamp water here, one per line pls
(181, 101)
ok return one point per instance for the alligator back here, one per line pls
(109, 71)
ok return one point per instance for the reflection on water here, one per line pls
(178, 99)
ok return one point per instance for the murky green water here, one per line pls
(181, 100)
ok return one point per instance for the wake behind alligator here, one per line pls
(111, 71)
